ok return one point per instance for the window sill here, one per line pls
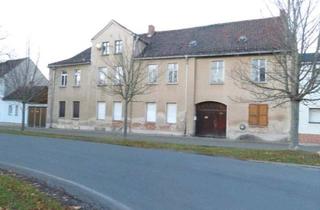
(105, 54)
(117, 120)
(314, 122)
(216, 83)
(62, 86)
(75, 118)
(258, 126)
(172, 83)
(265, 82)
(101, 120)
(155, 83)
(61, 117)
(101, 84)
(76, 86)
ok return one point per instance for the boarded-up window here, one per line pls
(76, 109)
(117, 111)
(258, 115)
(151, 112)
(101, 110)
(171, 113)
(62, 108)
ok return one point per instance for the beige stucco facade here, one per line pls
(193, 87)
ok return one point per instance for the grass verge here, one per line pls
(17, 194)
(283, 156)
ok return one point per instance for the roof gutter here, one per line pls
(210, 55)
(64, 65)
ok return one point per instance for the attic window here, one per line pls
(243, 39)
(193, 43)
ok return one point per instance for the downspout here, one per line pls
(52, 97)
(186, 94)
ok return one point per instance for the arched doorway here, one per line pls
(211, 119)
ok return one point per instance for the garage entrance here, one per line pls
(211, 119)
(37, 116)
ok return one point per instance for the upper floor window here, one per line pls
(118, 77)
(105, 48)
(64, 79)
(102, 76)
(77, 77)
(217, 69)
(118, 47)
(258, 70)
(258, 115)
(172, 73)
(152, 74)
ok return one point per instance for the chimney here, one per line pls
(151, 30)
(283, 13)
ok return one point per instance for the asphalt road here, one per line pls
(163, 180)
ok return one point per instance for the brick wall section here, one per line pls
(310, 138)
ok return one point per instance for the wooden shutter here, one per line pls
(263, 114)
(253, 114)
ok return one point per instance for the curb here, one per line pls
(78, 190)
(287, 164)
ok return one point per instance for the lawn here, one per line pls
(283, 156)
(19, 195)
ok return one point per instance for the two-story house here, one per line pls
(14, 73)
(195, 93)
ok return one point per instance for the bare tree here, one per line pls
(3, 53)
(127, 78)
(25, 82)
(288, 78)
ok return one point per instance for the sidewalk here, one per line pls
(192, 140)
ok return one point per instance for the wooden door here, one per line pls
(37, 116)
(211, 119)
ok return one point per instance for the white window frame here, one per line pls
(169, 119)
(255, 70)
(101, 111)
(172, 73)
(310, 117)
(151, 112)
(118, 46)
(152, 74)
(105, 48)
(77, 77)
(217, 72)
(117, 116)
(64, 79)
(102, 71)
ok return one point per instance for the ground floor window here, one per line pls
(76, 109)
(151, 112)
(101, 110)
(314, 115)
(258, 115)
(117, 111)
(62, 108)
(171, 112)
(10, 109)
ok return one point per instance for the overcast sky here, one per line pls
(59, 29)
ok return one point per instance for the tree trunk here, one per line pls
(23, 116)
(294, 125)
(125, 123)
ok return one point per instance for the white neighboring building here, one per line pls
(10, 107)
(309, 124)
